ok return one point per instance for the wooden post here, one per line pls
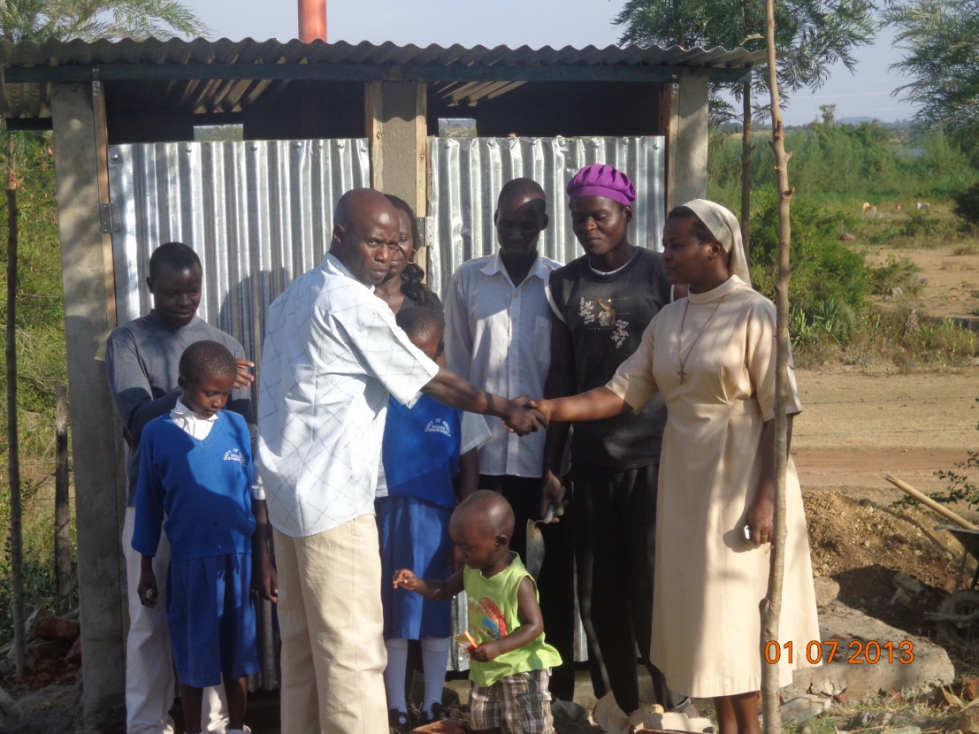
(13, 441)
(78, 114)
(62, 509)
(772, 605)
(397, 129)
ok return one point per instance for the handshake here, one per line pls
(524, 416)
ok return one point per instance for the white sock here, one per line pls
(395, 673)
(435, 656)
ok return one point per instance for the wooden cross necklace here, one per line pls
(679, 337)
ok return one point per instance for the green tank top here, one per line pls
(493, 614)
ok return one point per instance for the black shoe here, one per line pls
(398, 722)
(438, 713)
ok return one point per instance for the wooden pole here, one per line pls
(62, 508)
(772, 605)
(13, 441)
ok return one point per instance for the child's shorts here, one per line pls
(211, 619)
(518, 703)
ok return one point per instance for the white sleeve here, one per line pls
(475, 432)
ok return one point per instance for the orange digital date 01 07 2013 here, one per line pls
(861, 652)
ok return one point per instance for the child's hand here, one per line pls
(148, 593)
(406, 580)
(266, 581)
(485, 652)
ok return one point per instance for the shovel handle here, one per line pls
(929, 502)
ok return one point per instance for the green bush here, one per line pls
(824, 270)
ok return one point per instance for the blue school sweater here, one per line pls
(201, 487)
(421, 450)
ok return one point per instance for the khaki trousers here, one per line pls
(331, 624)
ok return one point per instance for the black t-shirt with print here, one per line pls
(606, 315)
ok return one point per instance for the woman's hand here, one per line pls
(761, 517)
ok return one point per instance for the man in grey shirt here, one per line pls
(141, 363)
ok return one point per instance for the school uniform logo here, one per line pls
(235, 455)
(439, 425)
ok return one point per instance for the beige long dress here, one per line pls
(709, 579)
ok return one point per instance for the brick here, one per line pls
(74, 655)
(52, 628)
(49, 650)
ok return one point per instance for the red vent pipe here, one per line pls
(312, 20)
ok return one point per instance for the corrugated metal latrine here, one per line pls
(260, 213)
(467, 175)
(257, 213)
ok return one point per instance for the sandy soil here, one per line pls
(950, 274)
(856, 427)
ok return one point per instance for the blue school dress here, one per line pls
(420, 457)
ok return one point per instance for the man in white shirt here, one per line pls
(498, 335)
(333, 355)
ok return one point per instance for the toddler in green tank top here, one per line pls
(511, 662)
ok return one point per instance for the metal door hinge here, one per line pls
(111, 222)
(426, 231)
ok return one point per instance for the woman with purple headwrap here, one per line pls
(712, 358)
(601, 303)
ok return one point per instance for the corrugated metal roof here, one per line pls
(249, 51)
(228, 76)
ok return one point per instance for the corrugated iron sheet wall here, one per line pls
(257, 213)
(467, 175)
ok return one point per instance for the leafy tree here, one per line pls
(39, 20)
(941, 55)
(810, 35)
(90, 20)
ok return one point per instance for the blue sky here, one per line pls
(534, 23)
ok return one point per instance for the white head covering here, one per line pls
(724, 226)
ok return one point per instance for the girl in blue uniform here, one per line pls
(424, 448)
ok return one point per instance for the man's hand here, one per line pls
(485, 652)
(406, 580)
(244, 378)
(265, 581)
(147, 590)
(552, 497)
(521, 419)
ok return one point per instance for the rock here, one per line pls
(52, 628)
(968, 722)
(826, 591)
(567, 711)
(644, 720)
(74, 655)
(929, 670)
(800, 710)
(610, 717)
(908, 582)
(9, 709)
(445, 726)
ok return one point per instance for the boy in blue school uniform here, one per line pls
(195, 481)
